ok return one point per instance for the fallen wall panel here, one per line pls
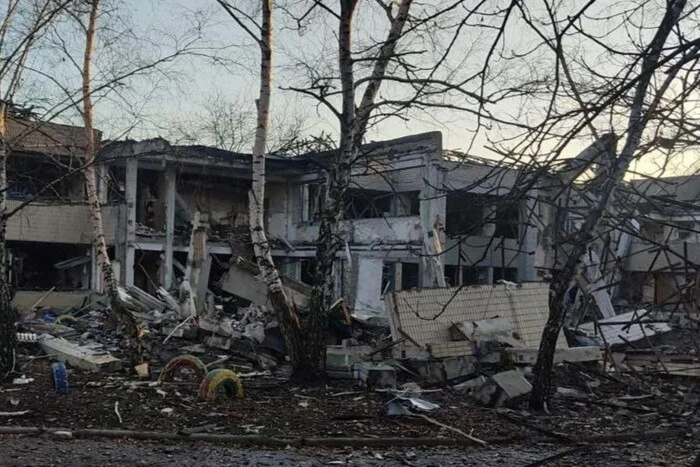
(423, 317)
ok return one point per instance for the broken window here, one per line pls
(452, 275)
(509, 274)
(507, 218)
(407, 203)
(472, 275)
(465, 214)
(312, 201)
(685, 230)
(652, 230)
(369, 204)
(308, 269)
(38, 265)
(409, 276)
(44, 176)
(388, 277)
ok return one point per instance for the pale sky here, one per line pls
(155, 104)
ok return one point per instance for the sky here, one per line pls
(221, 67)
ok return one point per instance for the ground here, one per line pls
(596, 418)
(46, 451)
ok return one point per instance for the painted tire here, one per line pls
(66, 318)
(183, 361)
(217, 379)
(60, 378)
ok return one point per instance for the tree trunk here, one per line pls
(285, 312)
(637, 122)
(127, 323)
(338, 180)
(8, 335)
(353, 124)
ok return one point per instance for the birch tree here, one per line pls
(127, 322)
(24, 23)
(353, 119)
(284, 309)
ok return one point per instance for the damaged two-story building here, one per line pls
(414, 218)
(417, 216)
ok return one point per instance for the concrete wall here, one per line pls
(217, 200)
(641, 258)
(369, 285)
(279, 211)
(58, 223)
(368, 231)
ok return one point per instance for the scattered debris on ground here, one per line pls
(452, 366)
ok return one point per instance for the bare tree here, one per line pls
(283, 307)
(230, 124)
(23, 24)
(651, 59)
(129, 327)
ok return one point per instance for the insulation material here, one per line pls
(423, 317)
(620, 330)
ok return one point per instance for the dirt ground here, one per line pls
(45, 451)
(645, 420)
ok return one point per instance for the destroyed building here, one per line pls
(413, 218)
(665, 259)
(417, 216)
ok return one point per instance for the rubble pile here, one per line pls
(444, 353)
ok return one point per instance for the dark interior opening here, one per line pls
(37, 265)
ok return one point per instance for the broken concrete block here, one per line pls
(499, 330)
(503, 387)
(470, 385)
(185, 331)
(440, 371)
(458, 367)
(375, 375)
(574, 354)
(513, 383)
(222, 327)
(79, 356)
(218, 342)
(346, 355)
(340, 359)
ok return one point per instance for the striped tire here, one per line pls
(183, 361)
(60, 378)
(220, 379)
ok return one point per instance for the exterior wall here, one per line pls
(218, 202)
(58, 223)
(368, 295)
(368, 231)
(643, 255)
(278, 212)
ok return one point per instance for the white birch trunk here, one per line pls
(285, 311)
(126, 321)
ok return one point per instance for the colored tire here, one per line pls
(220, 379)
(60, 378)
(183, 361)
